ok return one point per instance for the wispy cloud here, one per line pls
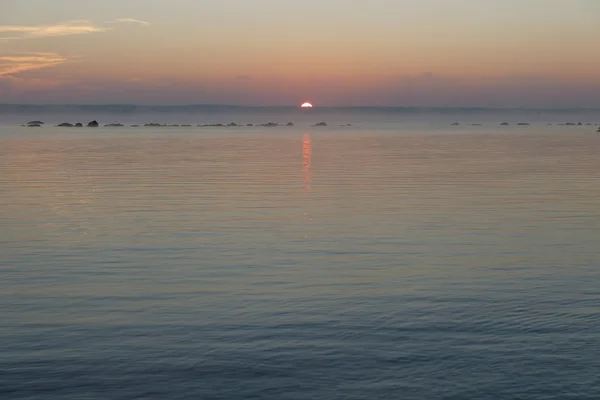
(69, 28)
(128, 21)
(76, 27)
(15, 64)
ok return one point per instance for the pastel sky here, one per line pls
(509, 53)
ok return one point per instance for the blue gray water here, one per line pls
(389, 261)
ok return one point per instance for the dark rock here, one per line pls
(289, 124)
(504, 124)
(249, 124)
(475, 124)
(455, 123)
(186, 125)
(270, 124)
(113, 125)
(152, 124)
(35, 123)
(232, 124)
(570, 124)
(65, 125)
(78, 125)
(93, 124)
(579, 124)
(320, 124)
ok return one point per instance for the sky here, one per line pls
(481, 53)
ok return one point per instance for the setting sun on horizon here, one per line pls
(306, 105)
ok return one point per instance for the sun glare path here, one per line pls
(307, 159)
(306, 105)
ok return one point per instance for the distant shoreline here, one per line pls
(125, 108)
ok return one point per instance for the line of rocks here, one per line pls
(95, 124)
(502, 124)
(37, 124)
(528, 124)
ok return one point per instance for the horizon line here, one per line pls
(289, 106)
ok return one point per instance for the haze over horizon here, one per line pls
(428, 53)
(176, 106)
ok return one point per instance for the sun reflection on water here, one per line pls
(307, 159)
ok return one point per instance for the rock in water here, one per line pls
(320, 124)
(93, 124)
(78, 125)
(65, 125)
(35, 123)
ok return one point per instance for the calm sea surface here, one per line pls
(300, 263)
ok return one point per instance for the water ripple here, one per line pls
(293, 265)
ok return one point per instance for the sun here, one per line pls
(306, 105)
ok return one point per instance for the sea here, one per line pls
(395, 253)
